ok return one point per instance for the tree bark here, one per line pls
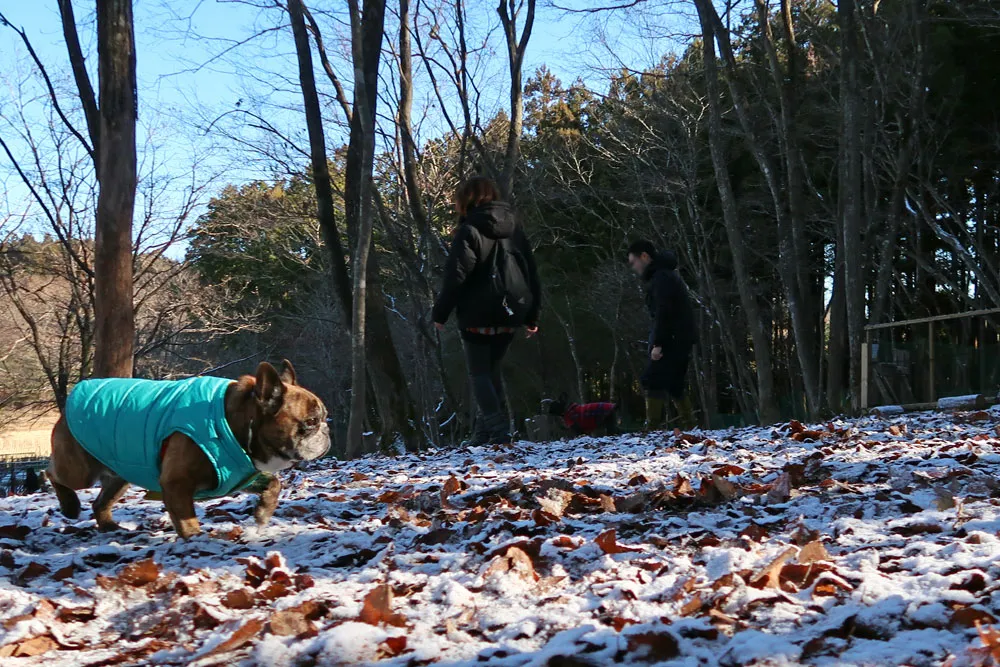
(366, 47)
(113, 312)
(405, 120)
(767, 406)
(320, 166)
(789, 237)
(516, 47)
(850, 192)
(85, 90)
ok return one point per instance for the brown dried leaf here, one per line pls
(728, 469)
(692, 606)
(205, 619)
(608, 544)
(970, 617)
(990, 639)
(516, 561)
(812, 553)
(451, 486)
(725, 487)
(35, 646)
(555, 501)
(543, 519)
(64, 573)
(795, 427)
(243, 636)
(304, 581)
(14, 531)
(377, 608)
(393, 646)
(31, 571)
(682, 487)
(566, 542)
(358, 476)
(76, 614)
(770, 575)
(140, 573)
(242, 598)
(781, 490)
(911, 529)
(608, 503)
(659, 646)
(273, 591)
(755, 532)
(291, 623)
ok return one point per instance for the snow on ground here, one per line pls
(873, 542)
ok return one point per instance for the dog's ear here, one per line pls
(268, 389)
(288, 372)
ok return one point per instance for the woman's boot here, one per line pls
(685, 414)
(654, 413)
(498, 426)
(480, 433)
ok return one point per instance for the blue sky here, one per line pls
(197, 79)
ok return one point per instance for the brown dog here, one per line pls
(269, 420)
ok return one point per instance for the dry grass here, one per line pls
(28, 437)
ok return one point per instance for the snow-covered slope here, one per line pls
(852, 543)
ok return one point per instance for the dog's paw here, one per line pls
(109, 526)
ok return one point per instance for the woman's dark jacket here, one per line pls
(467, 281)
(669, 305)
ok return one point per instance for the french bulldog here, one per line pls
(188, 439)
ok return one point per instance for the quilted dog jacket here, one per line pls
(123, 422)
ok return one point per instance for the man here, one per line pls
(671, 336)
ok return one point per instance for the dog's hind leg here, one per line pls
(113, 488)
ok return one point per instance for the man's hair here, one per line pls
(639, 247)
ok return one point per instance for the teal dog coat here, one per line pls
(123, 423)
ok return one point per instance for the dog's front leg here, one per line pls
(185, 470)
(268, 501)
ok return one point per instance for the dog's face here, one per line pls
(289, 424)
(556, 406)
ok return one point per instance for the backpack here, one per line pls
(509, 290)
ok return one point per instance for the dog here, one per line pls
(585, 419)
(202, 437)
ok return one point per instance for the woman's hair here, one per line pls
(474, 192)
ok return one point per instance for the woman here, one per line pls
(491, 281)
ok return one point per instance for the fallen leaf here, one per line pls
(565, 542)
(970, 617)
(608, 544)
(242, 598)
(140, 573)
(273, 591)
(64, 573)
(555, 501)
(990, 639)
(619, 623)
(205, 619)
(304, 581)
(377, 608)
(7, 559)
(638, 480)
(358, 476)
(682, 486)
(516, 561)
(291, 623)
(725, 487)
(812, 552)
(31, 571)
(728, 469)
(76, 614)
(240, 638)
(770, 575)
(795, 426)
(781, 490)
(659, 645)
(451, 486)
(14, 531)
(543, 519)
(393, 646)
(754, 532)
(911, 529)
(692, 606)
(35, 646)
(608, 503)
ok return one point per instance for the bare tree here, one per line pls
(516, 46)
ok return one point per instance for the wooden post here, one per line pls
(866, 354)
(930, 353)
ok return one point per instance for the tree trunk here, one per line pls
(791, 232)
(516, 47)
(320, 166)
(768, 408)
(366, 47)
(113, 312)
(850, 192)
(405, 122)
